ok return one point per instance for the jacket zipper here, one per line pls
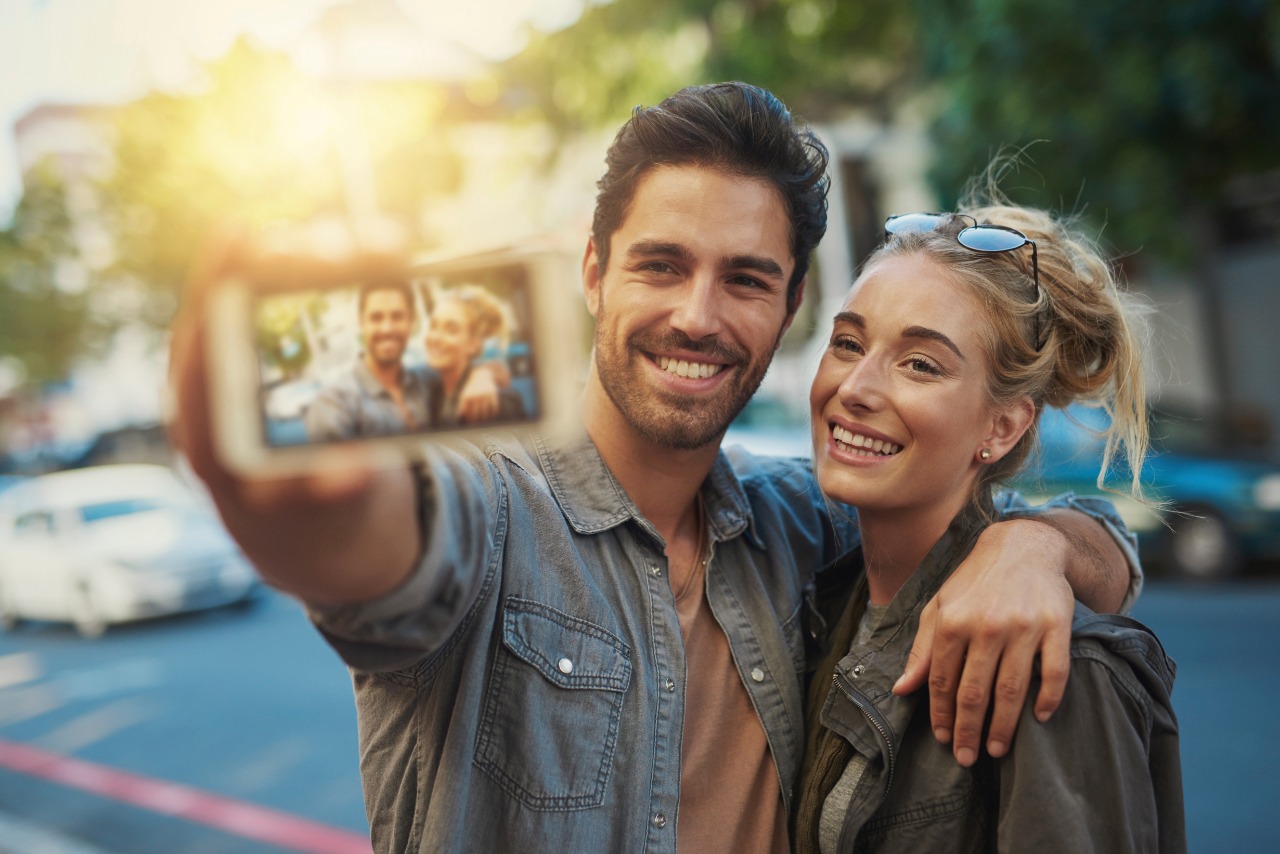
(874, 717)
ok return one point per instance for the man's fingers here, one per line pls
(1008, 695)
(972, 695)
(917, 670)
(944, 678)
(480, 407)
(1055, 668)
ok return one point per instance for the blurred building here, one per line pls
(1214, 355)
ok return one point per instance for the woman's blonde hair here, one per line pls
(487, 315)
(1077, 337)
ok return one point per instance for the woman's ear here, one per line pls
(1008, 426)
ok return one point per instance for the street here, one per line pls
(248, 706)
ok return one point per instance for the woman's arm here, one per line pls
(1103, 774)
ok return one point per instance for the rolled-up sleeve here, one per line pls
(1101, 511)
(463, 513)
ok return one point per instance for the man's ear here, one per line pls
(591, 278)
(1009, 425)
(792, 309)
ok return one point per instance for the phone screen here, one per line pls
(396, 357)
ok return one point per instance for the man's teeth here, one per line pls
(863, 446)
(680, 367)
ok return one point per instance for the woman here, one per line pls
(461, 321)
(959, 330)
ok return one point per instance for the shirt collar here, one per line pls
(369, 385)
(593, 501)
(410, 379)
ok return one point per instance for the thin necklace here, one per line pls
(699, 561)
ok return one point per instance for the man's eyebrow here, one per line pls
(667, 249)
(764, 266)
(651, 248)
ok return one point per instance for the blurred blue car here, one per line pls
(1219, 513)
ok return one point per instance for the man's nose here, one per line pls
(698, 313)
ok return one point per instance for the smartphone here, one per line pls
(306, 358)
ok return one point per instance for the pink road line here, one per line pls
(240, 818)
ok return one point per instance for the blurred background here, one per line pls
(130, 127)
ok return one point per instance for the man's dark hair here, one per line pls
(733, 127)
(400, 286)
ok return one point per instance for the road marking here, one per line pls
(97, 725)
(17, 668)
(29, 701)
(239, 818)
(18, 836)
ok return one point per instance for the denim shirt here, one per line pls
(355, 404)
(523, 690)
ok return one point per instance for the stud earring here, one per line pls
(985, 453)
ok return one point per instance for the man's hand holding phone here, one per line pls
(342, 531)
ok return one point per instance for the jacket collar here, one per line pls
(593, 501)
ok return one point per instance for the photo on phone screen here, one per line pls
(395, 357)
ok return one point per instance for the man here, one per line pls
(594, 644)
(378, 396)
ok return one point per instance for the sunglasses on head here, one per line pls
(978, 237)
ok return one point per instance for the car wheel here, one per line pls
(1201, 545)
(85, 615)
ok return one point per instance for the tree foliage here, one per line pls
(261, 142)
(1146, 109)
(820, 56)
(45, 293)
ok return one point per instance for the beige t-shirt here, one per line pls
(726, 768)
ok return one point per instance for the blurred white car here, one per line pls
(113, 543)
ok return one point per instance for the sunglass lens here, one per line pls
(987, 238)
(907, 223)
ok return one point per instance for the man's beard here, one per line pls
(670, 419)
(375, 351)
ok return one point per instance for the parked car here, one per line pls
(109, 544)
(1220, 510)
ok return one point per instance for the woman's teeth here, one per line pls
(863, 446)
(682, 368)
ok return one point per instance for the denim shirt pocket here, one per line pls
(549, 726)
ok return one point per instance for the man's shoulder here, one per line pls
(767, 471)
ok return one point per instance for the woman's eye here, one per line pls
(845, 344)
(921, 365)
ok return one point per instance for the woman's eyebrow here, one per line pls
(933, 335)
(854, 319)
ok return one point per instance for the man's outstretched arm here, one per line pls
(345, 534)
